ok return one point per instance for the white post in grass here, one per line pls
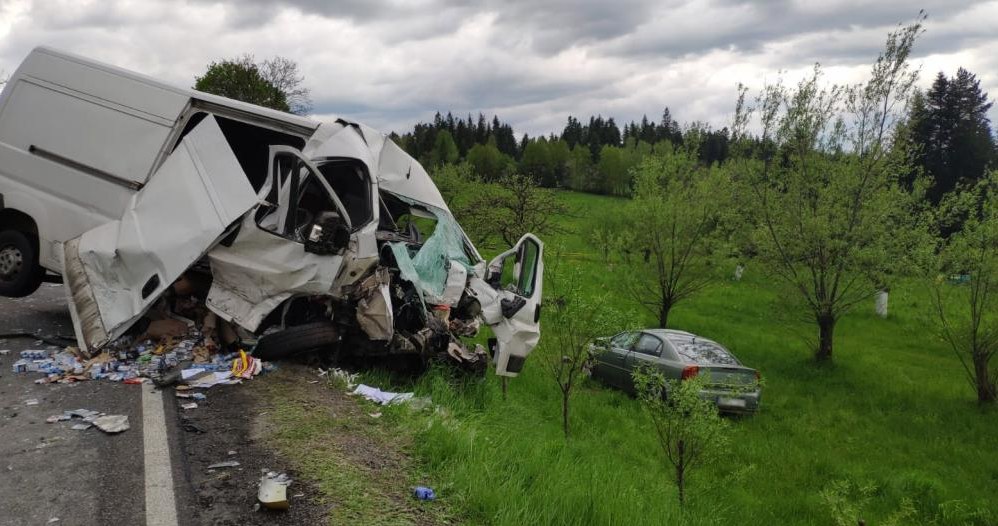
(739, 270)
(881, 305)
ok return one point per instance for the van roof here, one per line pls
(287, 118)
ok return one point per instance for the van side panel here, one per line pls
(71, 112)
(89, 131)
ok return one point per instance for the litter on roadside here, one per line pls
(191, 405)
(112, 423)
(382, 397)
(273, 491)
(225, 464)
(423, 493)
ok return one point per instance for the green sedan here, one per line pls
(679, 355)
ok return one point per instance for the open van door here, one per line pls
(115, 272)
(518, 275)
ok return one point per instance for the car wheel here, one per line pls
(297, 339)
(20, 274)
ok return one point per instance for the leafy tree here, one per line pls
(950, 126)
(275, 83)
(489, 163)
(689, 429)
(675, 221)
(614, 168)
(536, 162)
(968, 312)
(444, 150)
(284, 74)
(832, 219)
(580, 170)
(510, 208)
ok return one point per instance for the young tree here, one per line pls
(688, 427)
(968, 312)
(675, 220)
(575, 322)
(284, 74)
(274, 83)
(832, 219)
(511, 208)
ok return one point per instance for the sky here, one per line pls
(391, 63)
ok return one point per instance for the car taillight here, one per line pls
(690, 371)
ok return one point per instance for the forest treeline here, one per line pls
(948, 124)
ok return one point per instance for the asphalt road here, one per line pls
(50, 471)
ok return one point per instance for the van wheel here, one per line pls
(20, 274)
(297, 339)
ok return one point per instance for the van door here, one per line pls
(518, 274)
(116, 271)
(295, 243)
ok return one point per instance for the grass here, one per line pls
(893, 411)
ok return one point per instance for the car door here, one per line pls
(295, 243)
(115, 272)
(518, 274)
(646, 352)
(611, 364)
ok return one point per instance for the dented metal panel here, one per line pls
(126, 264)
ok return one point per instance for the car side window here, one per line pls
(624, 340)
(649, 345)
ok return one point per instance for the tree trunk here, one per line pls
(681, 472)
(564, 411)
(826, 326)
(985, 388)
(663, 314)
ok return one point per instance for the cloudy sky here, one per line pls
(391, 63)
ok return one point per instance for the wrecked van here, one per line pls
(308, 235)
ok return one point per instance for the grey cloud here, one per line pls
(747, 26)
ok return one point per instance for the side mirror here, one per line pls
(327, 237)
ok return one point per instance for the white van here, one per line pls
(123, 184)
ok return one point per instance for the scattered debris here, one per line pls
(382, 397)
(225, 464)
(273, 492)
(191, 405)
(31, 401)
(423, 493)
(81, 427)
(112, 423)
(374, 415)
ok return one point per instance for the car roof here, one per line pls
(695, 349)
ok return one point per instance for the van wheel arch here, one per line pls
(19, 254)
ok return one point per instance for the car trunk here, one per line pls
(727, 376)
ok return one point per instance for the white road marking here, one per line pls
(161, 507)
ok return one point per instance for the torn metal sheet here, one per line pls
(374, 309)
(116, 271)
(395, 170)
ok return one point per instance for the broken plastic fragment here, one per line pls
(112, 423)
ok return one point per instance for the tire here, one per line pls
(297, 339)
(20, 274)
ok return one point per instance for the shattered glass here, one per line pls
(428, 268)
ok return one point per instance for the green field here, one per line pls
(893, 413)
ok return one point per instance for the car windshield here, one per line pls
(700, 351)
